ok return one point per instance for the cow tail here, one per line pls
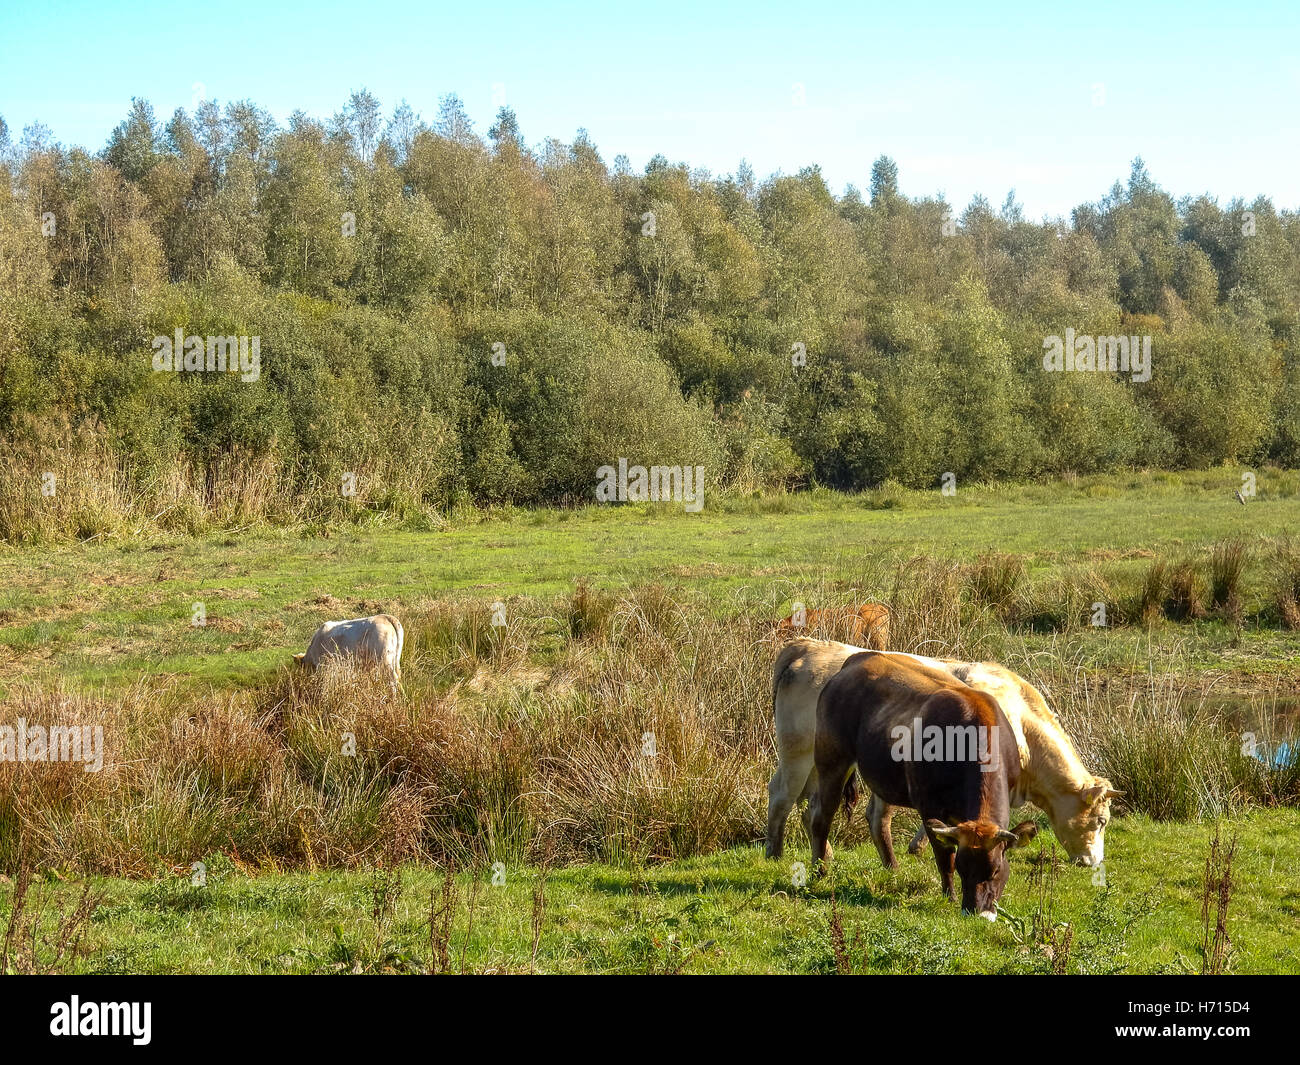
(851, 794)
(780, 672)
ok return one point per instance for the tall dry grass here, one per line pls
(1285, 580)
(1176, 749)
(1228, 561)
(61, 482)
(622, 727)
(615, 757)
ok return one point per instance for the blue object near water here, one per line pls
(1284, 756)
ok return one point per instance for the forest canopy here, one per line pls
(770, 330)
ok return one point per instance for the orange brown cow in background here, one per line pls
(866, 625)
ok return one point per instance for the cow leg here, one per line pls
(783, 791)
(809, 791)
(825, 800)
(881, 814)
(918, 841)
(945, 857)
(806, 796)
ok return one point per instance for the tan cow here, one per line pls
(868, 623)
(375, 641)
(1053, 778)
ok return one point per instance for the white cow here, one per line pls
(374, 641)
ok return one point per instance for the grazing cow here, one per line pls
(921, 738)
(1052, 776)
(868, 623)
(373, 641)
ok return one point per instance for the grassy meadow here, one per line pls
(327, 817)
(728, 912)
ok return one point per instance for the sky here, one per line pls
(1051, 102)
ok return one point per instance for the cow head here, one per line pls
(1079, 818)
(981, 859)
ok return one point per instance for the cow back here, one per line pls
(878, 710)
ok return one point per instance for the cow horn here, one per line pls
(938, 828)
(1111, 793)
(1019, 835)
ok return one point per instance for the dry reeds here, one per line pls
(641, 732)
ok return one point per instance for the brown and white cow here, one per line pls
(1077, 802)
(868, 623)
(375, 641)
(921, 738)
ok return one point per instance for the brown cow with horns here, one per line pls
(921, 738)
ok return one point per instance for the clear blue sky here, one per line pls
(1050, 101)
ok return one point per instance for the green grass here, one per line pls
(113, 619)
(102, 614)
(730, 912)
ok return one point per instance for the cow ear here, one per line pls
(299, 657)
(1098, 791)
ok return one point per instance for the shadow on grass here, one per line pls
(851, 890)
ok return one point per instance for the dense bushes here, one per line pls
(770, 331)
(576, 395)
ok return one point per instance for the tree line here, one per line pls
(468, 318)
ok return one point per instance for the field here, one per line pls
(517, 751)
(730, 912)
